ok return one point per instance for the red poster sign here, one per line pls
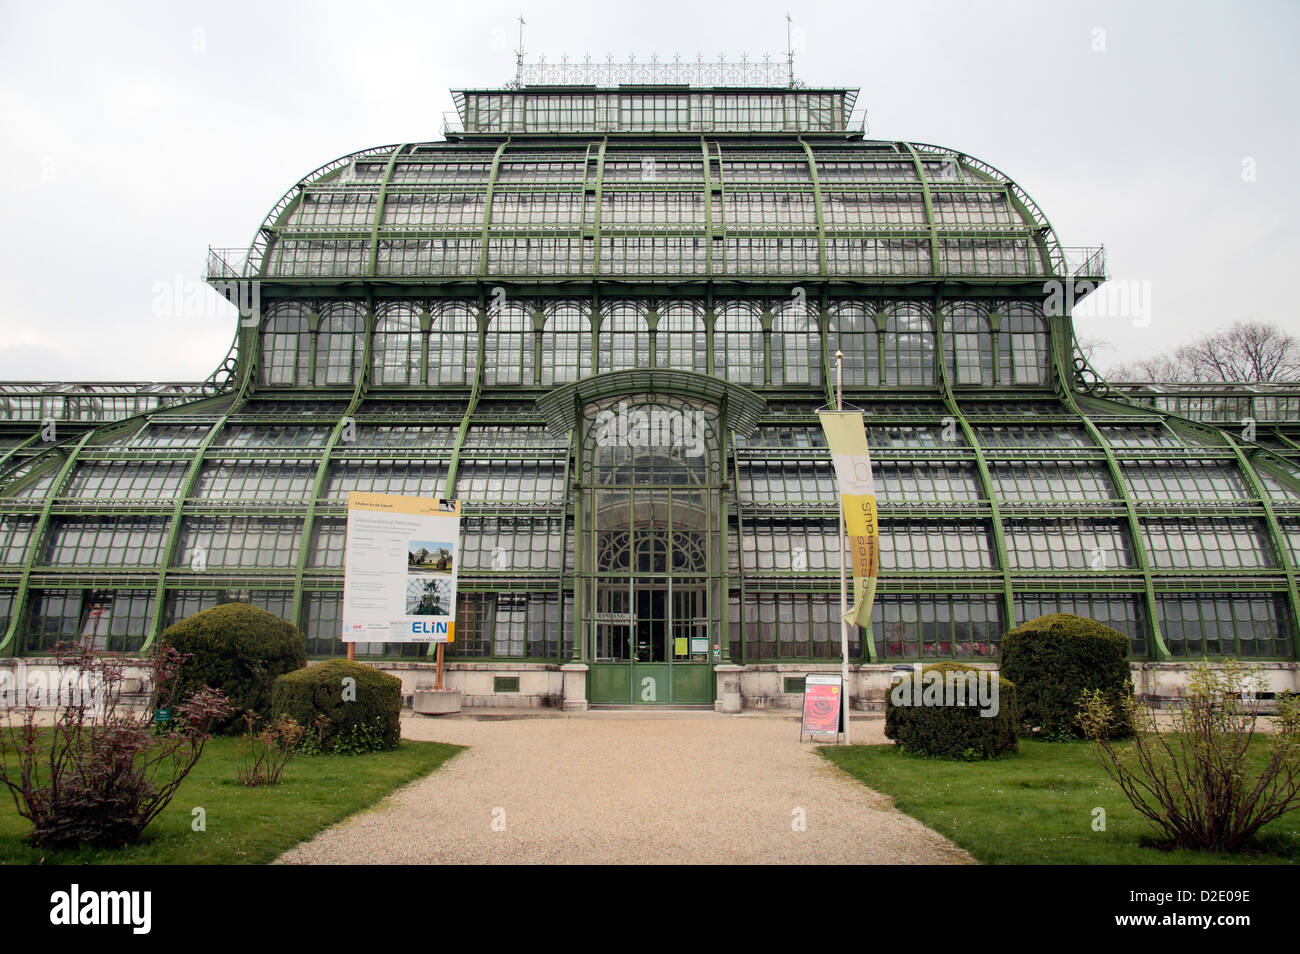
(822, 704)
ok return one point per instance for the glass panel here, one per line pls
(738, 343)
(566, 343)
(937, 627)
(1068, 544)
(909, 346)
(1242, 624)
(1123, 612)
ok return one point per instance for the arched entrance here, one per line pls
(651, 548)
(650, 587)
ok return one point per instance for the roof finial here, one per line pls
(519, 54)
(789, 49)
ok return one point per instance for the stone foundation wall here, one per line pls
(761, 686)
(1161, 684)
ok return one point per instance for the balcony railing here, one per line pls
(227, 263)
(1086, 262)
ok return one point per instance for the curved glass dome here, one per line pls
(630, 207)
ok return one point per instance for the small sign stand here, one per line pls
(823, 710)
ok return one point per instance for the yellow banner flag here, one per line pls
(846, 436)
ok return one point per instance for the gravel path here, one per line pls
(630, 788)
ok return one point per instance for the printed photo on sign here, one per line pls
(428, 596)
(429, 556)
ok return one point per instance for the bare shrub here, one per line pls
(102, 772)
(1194, 780)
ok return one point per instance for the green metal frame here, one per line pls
(1077, 394)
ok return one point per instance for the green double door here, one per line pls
(650, 644)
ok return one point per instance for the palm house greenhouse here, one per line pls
(452, 318)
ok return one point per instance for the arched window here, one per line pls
(796, 344)
(969, 344)
(397, 345)
(286, 345)
(681, 344)
(1022, 343)
(509, 355)
(340, 343)
(852, 330)
(738, 343)
(624, 337)
(453, 344)
(566, 343)
(909, 345)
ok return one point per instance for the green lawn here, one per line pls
(1035, 807)
(245, 825)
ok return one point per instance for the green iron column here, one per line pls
(931, 225)
(11, 644)
(184, 493)
(322, 470)
(1276, 536)
(487, 207)
(380, 199)
(822, 267)
(1064, 385)
(981, 465)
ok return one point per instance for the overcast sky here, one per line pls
(134, 138)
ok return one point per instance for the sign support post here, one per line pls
(844, 573)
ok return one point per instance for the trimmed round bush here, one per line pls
(937, 712)
(240, 649)
(345, 706)
(1053, 659)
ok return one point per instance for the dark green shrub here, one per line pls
(1054, 660)
(239, 649)
(922, 717)
(345, 717)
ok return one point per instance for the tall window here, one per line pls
(1023, 345)
(681, 340)
(453, 344)
(397, 345)
(566, 343)
(340, 344)
(624, 337)
(909, 346)
(970, 345)
(738, 343)
(796, 344)
(852, 330)
(509, 345)
(286, 345)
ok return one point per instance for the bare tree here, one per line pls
(1090, 346)
(1249, 352)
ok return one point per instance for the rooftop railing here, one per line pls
(1228, 402)
(38, 401)
(454, 125)
(767, 71)
(1077, 263)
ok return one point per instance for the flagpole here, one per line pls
(844, 579)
